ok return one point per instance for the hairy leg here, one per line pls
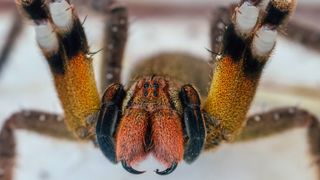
(247, 42)
(114, 47)
(61, 38)
(40, 122)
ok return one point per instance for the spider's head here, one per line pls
(154, 117)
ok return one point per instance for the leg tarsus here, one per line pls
(248, 42)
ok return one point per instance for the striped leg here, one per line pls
(248, 42)
(61, 38)
(43, 123)
(115, 41)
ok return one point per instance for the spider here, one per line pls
(160, 112)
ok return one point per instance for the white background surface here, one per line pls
(26, 83)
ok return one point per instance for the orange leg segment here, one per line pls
(61, 38)
(247, 44)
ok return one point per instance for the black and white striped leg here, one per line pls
(68, 27)
(247, 43)
(275, 14)
(59, 32)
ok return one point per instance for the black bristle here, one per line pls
(275, 16)
(252, 66)
(57, 63)
(233, 45)
(75, 41)
(36, 9)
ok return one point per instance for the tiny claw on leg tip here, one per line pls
(130, 169)
(167, 171)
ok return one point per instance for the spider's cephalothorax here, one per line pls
(160, 113)
(155, 116)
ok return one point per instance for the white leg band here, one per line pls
(246, 18)
(46, 37)
(264, 41)
(61, 13)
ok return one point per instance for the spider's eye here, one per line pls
(156, 85)
(155, 93)
(146, 85)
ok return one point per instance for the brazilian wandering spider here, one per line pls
(127, 127)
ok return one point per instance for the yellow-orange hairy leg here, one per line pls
(247, 44)
(231, 93)
(131, 138)
(78, 94)
(61, 38)
(74, 76)
(77, 89)
(167, 137)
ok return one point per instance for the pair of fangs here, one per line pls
(157, 171)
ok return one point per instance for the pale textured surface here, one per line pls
(264, 41)
(61, 14)
(26, 83)
(246, 18)
(46, 38)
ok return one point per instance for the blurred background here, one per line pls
(292, 78)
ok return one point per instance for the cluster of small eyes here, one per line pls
(147, 86)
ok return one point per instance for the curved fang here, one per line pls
(167, 171)
(130, 169)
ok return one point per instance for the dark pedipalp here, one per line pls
(109, 116)
(194, 123)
